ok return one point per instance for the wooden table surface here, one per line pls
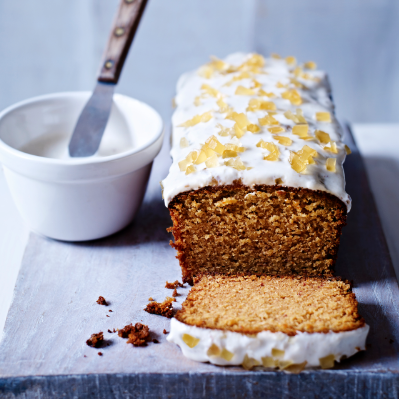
(54, 312)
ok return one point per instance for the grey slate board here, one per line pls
(54, 312)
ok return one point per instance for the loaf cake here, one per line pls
(289, 323)
(256, 185)
(256, 193)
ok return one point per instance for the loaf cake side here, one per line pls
(257, 183)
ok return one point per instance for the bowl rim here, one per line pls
(84, 161)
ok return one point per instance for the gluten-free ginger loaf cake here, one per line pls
(256, 185)
(290, 323)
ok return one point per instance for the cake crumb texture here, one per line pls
(137, 335)
(95, 340)
(102, 301)
(164, 308)
(251, 304)
(233, 229)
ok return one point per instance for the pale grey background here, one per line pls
(56, 45)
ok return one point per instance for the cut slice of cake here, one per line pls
(278, 322)
(257, 182)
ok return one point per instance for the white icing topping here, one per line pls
(309, 347)
(315, 98)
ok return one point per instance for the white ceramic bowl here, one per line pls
(78, 199)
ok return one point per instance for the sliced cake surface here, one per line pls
(265, 229)
(269, 321)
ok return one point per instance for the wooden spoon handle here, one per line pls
(124, 27)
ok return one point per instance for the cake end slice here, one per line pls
(289, 323)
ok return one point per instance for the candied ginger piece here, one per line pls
(214, 350)
(232, 146)
(197, 101)
(323, 116)
(241, 90)
(276, 56)
(300, 130)
(201, 157)
(209, 152)
(229, 153)
(206, 71)
(214, 144)
(264, 93)
(218, 64)
(332, 148)
(299, 160)
(268, 362)
(190, 341)
(235, 163)
(253, 128)
(272, 148)
(205, 117)
(212, 161)
(257, 104)
(277, 353)
(291, 116)
(224, 131)
(239, 77)
(249, 363)
(331, 164)
(322, 136)
(240, 118)
(293, 96)
(222, 105)
(280, 85)
(256, 84)
(347, 149)
(282, 365)
(296, 162)
(276, 130)
(184, 142)
(278, 181)
(238, 132)
(300, 116)
(283, 140)
(268, 120)
(253, 64)
(183, 164)
(310, 65)
(209, 90)
(290, 60)
(296, 83)
(327, 362)
(227, 355)
(190, 169)
(296, 367)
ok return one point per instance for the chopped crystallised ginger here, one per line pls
(268, 120)
(272, 148)
(323, 116)
(347, 150)
(290, 60)
(299, 160)
(240, 118)
(322, 136)
(310, 65)
(241, 90)
(293, 96)
(331, 165)
(190, 341)
(332, 148)
(283, 140)
(257, 104)
(184, 142)
(235, 163)
(264, 93)
(327, 362)
(202, 118)
(276, 130)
